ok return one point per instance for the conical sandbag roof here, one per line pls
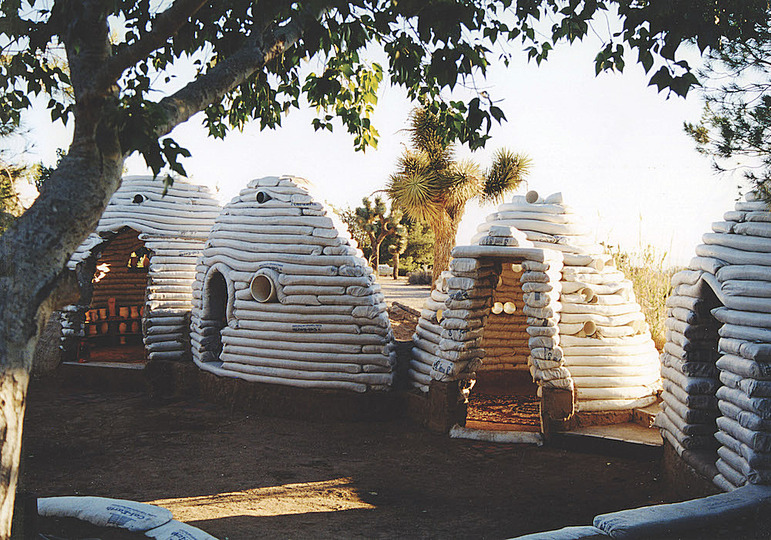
(603, 337)
(300, 307)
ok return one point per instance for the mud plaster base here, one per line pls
(687, 481)
(168, 379)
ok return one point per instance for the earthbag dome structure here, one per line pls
(536, 293)
(284, 296)
(717, 360)
(136, 272)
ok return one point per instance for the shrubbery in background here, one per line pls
(646, 268)
(419, 277)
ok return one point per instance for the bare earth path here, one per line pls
(242, 476)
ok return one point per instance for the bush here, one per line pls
(651, 279)
(419, 278)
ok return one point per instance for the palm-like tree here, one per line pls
(431, 186)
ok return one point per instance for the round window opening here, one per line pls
(263, 288)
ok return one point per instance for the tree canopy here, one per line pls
(736, 124)
(113, 69)
(430, 185)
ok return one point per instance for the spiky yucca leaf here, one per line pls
(463, 182)
(505, 174)
(425, 134)
(416, 195)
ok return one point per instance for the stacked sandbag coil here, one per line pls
(484, 283)
(283, 296)
(732, 270)
(690, 376)
(173, 223)
(599, 327)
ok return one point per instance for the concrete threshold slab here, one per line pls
(506, 437)
(625, 439)
(114, 365)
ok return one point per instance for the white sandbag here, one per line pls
(733, 256)
(104, 512)
(755, 244)
(758, 406)
(291, 364)
(286, 354)
(706, 402)
(760, 352)
(302, 383)
(612, 381)
(616, 370)
(603, 320)
(315, 376)
(745, 332)
(600, 309)
(745, 367)
(747, 419)
(618, 392)
(176, 530)
(648, 358)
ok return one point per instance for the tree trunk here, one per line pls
(35, 250)
(376, 248)
(444, 232)
(396, 264)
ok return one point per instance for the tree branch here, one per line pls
(165, 25)
(227, 75)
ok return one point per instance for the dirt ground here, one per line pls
(242, 476)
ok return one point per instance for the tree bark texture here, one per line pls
(444, 232)
(35, 250)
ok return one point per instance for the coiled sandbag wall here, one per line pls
(173, 224)
(283, 296)
(602, 333)
(717, 359)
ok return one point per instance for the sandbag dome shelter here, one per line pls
(284, 297)
(136, 273)
(717, 359)
(536, 304)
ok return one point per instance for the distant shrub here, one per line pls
(419, 278)
(651, 278)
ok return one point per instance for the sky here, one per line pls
(612, 145)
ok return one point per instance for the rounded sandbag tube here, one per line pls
(531, 196)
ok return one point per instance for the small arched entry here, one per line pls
(215, 314)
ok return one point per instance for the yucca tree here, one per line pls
(431, 186)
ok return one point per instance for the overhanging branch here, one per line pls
(165, 25)
(231, 72)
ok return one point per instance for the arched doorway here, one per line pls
(215, 309)
(504, 397)
(112, 330)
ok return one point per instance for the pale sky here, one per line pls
(612, 145)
